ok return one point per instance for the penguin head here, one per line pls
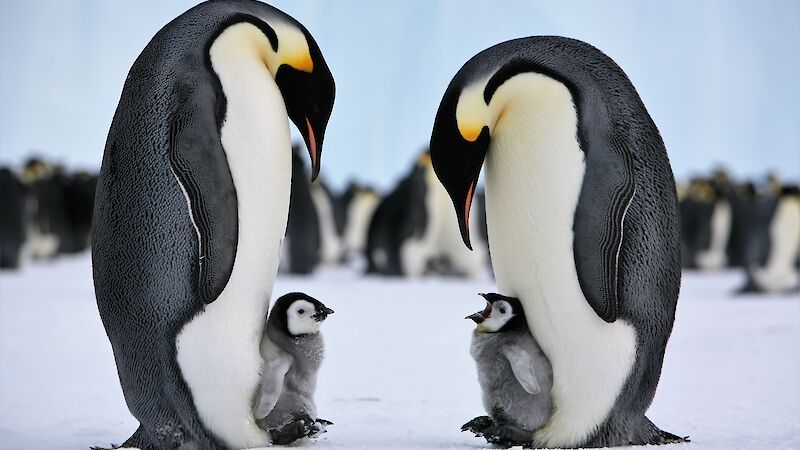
(298, 314)
(501, 314)
(306, 85)
(294, 60)
(481, 94)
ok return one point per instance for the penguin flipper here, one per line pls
(200, 166)
(523, 367)
(271, 385)
(607, 191)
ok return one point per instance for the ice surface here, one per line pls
(398, 374)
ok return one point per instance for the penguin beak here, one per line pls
(314, 149)
(322, 315)
(457, 162)
(480, 316)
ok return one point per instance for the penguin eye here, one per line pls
(301, 311)
(502, 310)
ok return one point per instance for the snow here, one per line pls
(398, 374)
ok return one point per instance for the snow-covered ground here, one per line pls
(398, 374)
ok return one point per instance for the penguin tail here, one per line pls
(649, 434)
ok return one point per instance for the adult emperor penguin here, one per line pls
(582, 219)
(191, 210)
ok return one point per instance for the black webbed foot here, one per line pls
(478, 425)
(301, 426)
(318, 427)
(507, 435)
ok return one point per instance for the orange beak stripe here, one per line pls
(469, 203)
(312, 142)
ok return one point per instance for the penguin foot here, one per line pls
(319, 426)
(649, 434)
(303, 426)
(478, 425)
(508, 435)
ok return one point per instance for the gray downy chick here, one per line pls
(514, 375)
(292, 349)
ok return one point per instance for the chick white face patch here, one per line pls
(300, 320)
(501, 313)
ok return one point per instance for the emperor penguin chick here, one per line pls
(292, 349)
(515, 376)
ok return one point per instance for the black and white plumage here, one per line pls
(293, 350)
(514, 374)
(190, 213)
(582, 219)
(779, 272)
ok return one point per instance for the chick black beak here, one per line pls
(480, 316)
(322, 315)
(477, 317)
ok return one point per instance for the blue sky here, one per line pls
(720, 78)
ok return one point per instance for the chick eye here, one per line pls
(502, 310)
(301, 311)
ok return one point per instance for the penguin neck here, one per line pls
(534, 174)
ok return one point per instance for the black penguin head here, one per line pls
(501, 314)
(464, 123)
(295, 61)
(308, 90)
(474, 104)
(298, 314)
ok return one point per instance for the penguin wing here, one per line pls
(523, 367)
(607, 191)
(274, 372)
(199, 163)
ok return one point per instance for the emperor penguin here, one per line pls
(514, 374)
(293, 350)
(779, 272)
(582, 218)
(191, 210)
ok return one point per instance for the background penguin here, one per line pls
(78, 195)
(514, 374)
(706, 222)
(779, 273)
(292, 349)
(422, 236)
(190, 212)
(331, 242)
(753, 208)
(400, 216)
(356, 205)
(48, 221)
(583, 223)
(13, 227)
(302, 245)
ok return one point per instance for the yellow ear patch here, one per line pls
(300, 62)
(292, 48)
(472, 112)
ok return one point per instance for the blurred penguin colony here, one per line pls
(411, 231)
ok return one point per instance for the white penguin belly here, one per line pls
(218, 351)
(779, 273)
(534, 172)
